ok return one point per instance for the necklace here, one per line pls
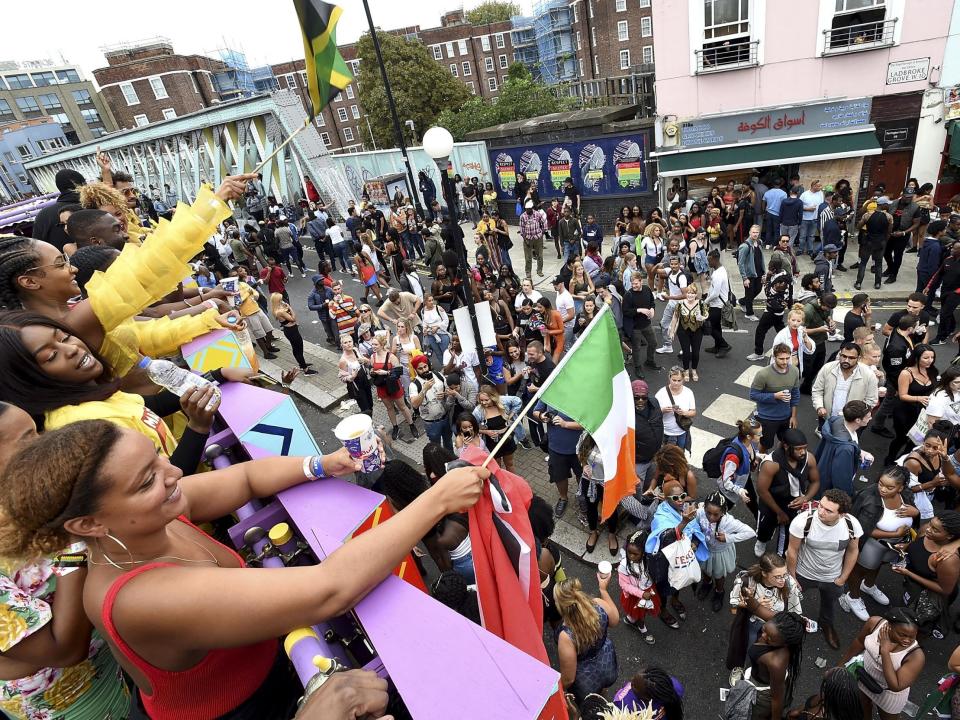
(212, 558)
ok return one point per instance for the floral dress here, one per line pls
(93, 689)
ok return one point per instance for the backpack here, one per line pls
(713, 457)
(812, 511)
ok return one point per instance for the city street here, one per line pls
(696, 652)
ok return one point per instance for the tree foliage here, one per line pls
(492, 12)
(421, 87)
(520, 98)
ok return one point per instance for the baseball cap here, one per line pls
(640, 387)
(830, 248)
(558, 279)
(883, 200)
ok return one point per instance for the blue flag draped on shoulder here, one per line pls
(327, 71)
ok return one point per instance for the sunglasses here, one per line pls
(677, 498)
(60, 263)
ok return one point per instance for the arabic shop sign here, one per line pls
(817, 118)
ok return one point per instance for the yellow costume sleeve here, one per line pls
(143, 275)
(157, 337)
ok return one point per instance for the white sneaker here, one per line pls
(751, 318)
(874, 592)
(735, 676)
(759, 548)
(835, 337)
(665, 349)
(754, 357)
(856, 606)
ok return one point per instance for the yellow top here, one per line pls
(248, 300)
(123, 409)
(142, 276)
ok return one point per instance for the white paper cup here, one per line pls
(604, 568)
(357, 435)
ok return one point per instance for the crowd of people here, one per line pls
(106, 576)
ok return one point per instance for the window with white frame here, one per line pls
(590, 8)
(575, 18)
(503, 62)
(159, 90)
(141, 120)
(500, 41)
(725, 18)
(471, 87)
(193, 81)
(355, 111)
(325, 137)
(320, 120)
(129, 93)
(462, 46)
(454, 70)
(303, 79)
(596, 65)
(646, 27)
(503, 80)
(492, 84)
(449, 49)
(350, 93)
(579, 46)
(348, 134)
(10, 158)
(623, 31)
(593, 35)
(26, 152)
(488, 64)
(644, 3)
(624, 59)
(342, 114)
(485, 43)
(466, 69)
(437, 52)
(169, 113)
(580, 63)
(648, 54)
(859, 23)
(621, 5)
(291, 81)
(354, 67)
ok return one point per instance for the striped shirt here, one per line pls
(344, 312)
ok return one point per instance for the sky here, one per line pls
(266, 30)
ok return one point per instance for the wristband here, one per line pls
(313, 468)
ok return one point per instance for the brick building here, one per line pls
(148, 82)
(612, 37)
(39, 88)
(477, 55)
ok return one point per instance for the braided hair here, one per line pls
(792, 629)
(17, 254)
(660, 687)
(950, 519)
(839, 696)
(718, 500)
(639, 540)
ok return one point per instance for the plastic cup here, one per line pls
(604, 568)
(357, 435)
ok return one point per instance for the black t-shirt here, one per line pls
(920, 332)
(642, 299)
(540, 371)
(895, 357)
(469, 190)
(951, 276)
(572, 193)
(748, 214)
(851, 322)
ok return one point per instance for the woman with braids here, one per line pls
(758, 593)
(195, 629)
(775, 664)
(638, 593)
(588, 659)
(892, 662)
(52, 668)
(930, 576)
(839, 699)
(652, 689)
(448, 542)
(36, 276)
(723, 531)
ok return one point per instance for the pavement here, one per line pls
(696, 652)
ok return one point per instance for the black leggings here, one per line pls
(593, 509)
(716, 328)
(866, 254)
(767, 320)
(690, 346)
(894, 253)
(904, 416)
(292, 333)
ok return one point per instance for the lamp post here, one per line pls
(438, 144)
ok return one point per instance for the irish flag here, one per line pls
(591, 386)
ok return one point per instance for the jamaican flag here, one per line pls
(327, 73)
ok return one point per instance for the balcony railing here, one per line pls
(731, 55)
(856, 38)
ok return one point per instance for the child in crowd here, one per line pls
(723, 532)
(638, 594)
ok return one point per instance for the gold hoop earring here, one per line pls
(119, 542)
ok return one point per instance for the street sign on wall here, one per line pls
(906, 71)
(816, 118)
(605, 166)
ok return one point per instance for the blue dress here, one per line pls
(597, 666)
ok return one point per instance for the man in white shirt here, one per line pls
(811, 199)
(340, 250)
(455, 360)
(567, 310)
(677, 280)
(718, 294)
(428, 393)
(823, 550)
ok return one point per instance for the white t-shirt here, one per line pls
(841, 391)
(651, 247)
(464, 364)
(335, 234)
(810, 198)
(941, 406)
(533, 297)
(684, 400)
(676, 283)
(821, 554)
(565, 303)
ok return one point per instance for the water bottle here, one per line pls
(246, 345)
(175, 379)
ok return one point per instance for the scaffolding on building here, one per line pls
(544, 42)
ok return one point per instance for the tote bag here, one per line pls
(684, 569)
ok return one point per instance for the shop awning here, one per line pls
(786, 152)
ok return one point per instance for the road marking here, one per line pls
(746, 377)
(729, 408)
(702, 440)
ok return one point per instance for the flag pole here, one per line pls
(543, 387)
(282, 145)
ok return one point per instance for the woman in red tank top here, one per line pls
(195, 630)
